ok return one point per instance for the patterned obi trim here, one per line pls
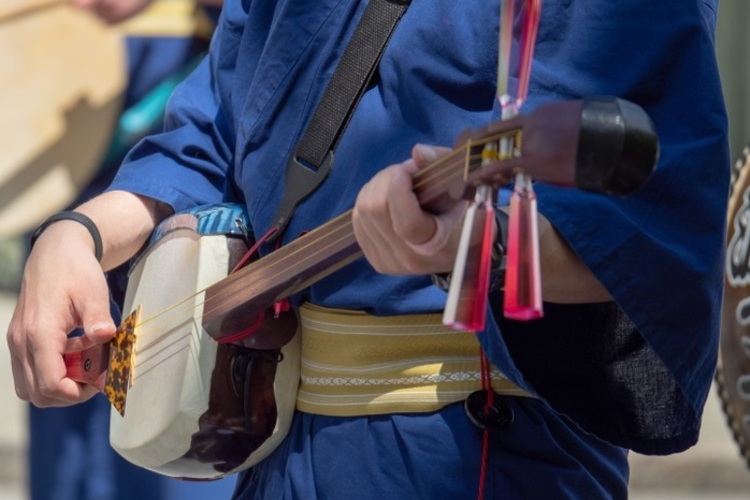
(355, 364)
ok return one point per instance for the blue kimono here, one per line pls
(631, 374)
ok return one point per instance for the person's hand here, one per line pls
(113, 11)
(395, 234)
(398, 237)
(63, 288)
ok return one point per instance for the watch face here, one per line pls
(442, 281)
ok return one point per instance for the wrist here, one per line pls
(72, 217)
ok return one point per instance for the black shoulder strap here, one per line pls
(313, 157)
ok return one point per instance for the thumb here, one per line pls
(96, 318)
(96, 333)
(99, 331)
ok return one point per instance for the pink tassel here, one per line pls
(466, 306)
(523, 286)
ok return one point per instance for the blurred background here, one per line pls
(733, 52)
(62, 128)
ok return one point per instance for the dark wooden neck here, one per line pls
(320, 252)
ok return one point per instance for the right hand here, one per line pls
(63, 288)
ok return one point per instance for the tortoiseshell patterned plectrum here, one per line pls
(121, 362)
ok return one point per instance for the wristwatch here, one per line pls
(497, 267)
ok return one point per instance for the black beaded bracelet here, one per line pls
(74, 216)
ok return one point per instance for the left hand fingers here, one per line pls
(373, 220)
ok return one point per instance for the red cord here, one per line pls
(486, 381)
(236, 337)
(252, 250)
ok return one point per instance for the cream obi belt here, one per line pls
(354, 364)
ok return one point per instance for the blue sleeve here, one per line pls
(636, 373)
(191, 162)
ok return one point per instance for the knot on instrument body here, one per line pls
(243, 363)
